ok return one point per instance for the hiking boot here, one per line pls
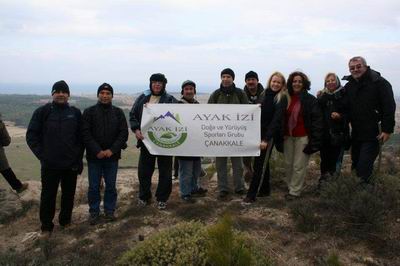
(109, 217)
(248, 200)
(223, 195)
(263, 194)
(94, 218)
(188, 199)
(161, 205)
(45, 235)
(200, 192)
(22, 188)
(240, 192)
(290, 197)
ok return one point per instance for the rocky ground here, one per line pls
(268, 220)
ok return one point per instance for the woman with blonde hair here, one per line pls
(303, 127)
(271, 117)
(333, 102)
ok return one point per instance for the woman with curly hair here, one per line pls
(303, 127)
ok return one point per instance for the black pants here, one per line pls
(258, 177)
(50, 181)
(146, 170)
(329, 156)
(11, 178)
(363, 155)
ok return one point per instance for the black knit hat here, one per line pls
(107, 87)
(229, 72)
(251, 74)
(186, 83)
(60, 86)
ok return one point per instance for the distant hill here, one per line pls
(19, 108)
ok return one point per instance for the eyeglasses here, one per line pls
(358, 66)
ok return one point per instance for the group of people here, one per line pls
(292, 120)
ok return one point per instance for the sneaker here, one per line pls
(188, 199)
(223, 195)
(162, 205)
(94, 218)
(248, 200)
(143, 203)
(109, 217)
(23, 188)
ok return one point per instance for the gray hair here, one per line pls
(358, 58)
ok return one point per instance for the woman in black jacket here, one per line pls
(270, 124)
(303, 126)
(332, 101)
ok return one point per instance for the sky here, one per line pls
(123, 42)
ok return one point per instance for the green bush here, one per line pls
(183, 244)
(192, 243)
(362, 206)
(226, 247)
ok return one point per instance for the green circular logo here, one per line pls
(167, 131)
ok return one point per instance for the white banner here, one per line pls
(214, 130)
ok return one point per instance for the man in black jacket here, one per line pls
(372, 109)
(157, 94)
(53, 135)
(104, 132)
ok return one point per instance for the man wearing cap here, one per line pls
(104, 133)
(254, 91)
(156, 95)
(228, 93)
(53, 135)
(371, 112)
(190, 167)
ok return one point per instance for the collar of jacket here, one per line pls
(150, 92)
(260, 89)
(60, 106)
(326, 91)
(186, 101)
(228, 90)
(103, 105)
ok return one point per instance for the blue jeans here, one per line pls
(107, 170)
(189, 172)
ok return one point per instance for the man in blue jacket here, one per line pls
(371, 113)
(53, 135)
(104, 132)
(156, 95)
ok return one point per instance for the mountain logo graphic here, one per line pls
(168, 115)
(165, 132)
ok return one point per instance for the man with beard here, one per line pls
(254, 91)
(228, 93)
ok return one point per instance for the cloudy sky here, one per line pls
(123, 42)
